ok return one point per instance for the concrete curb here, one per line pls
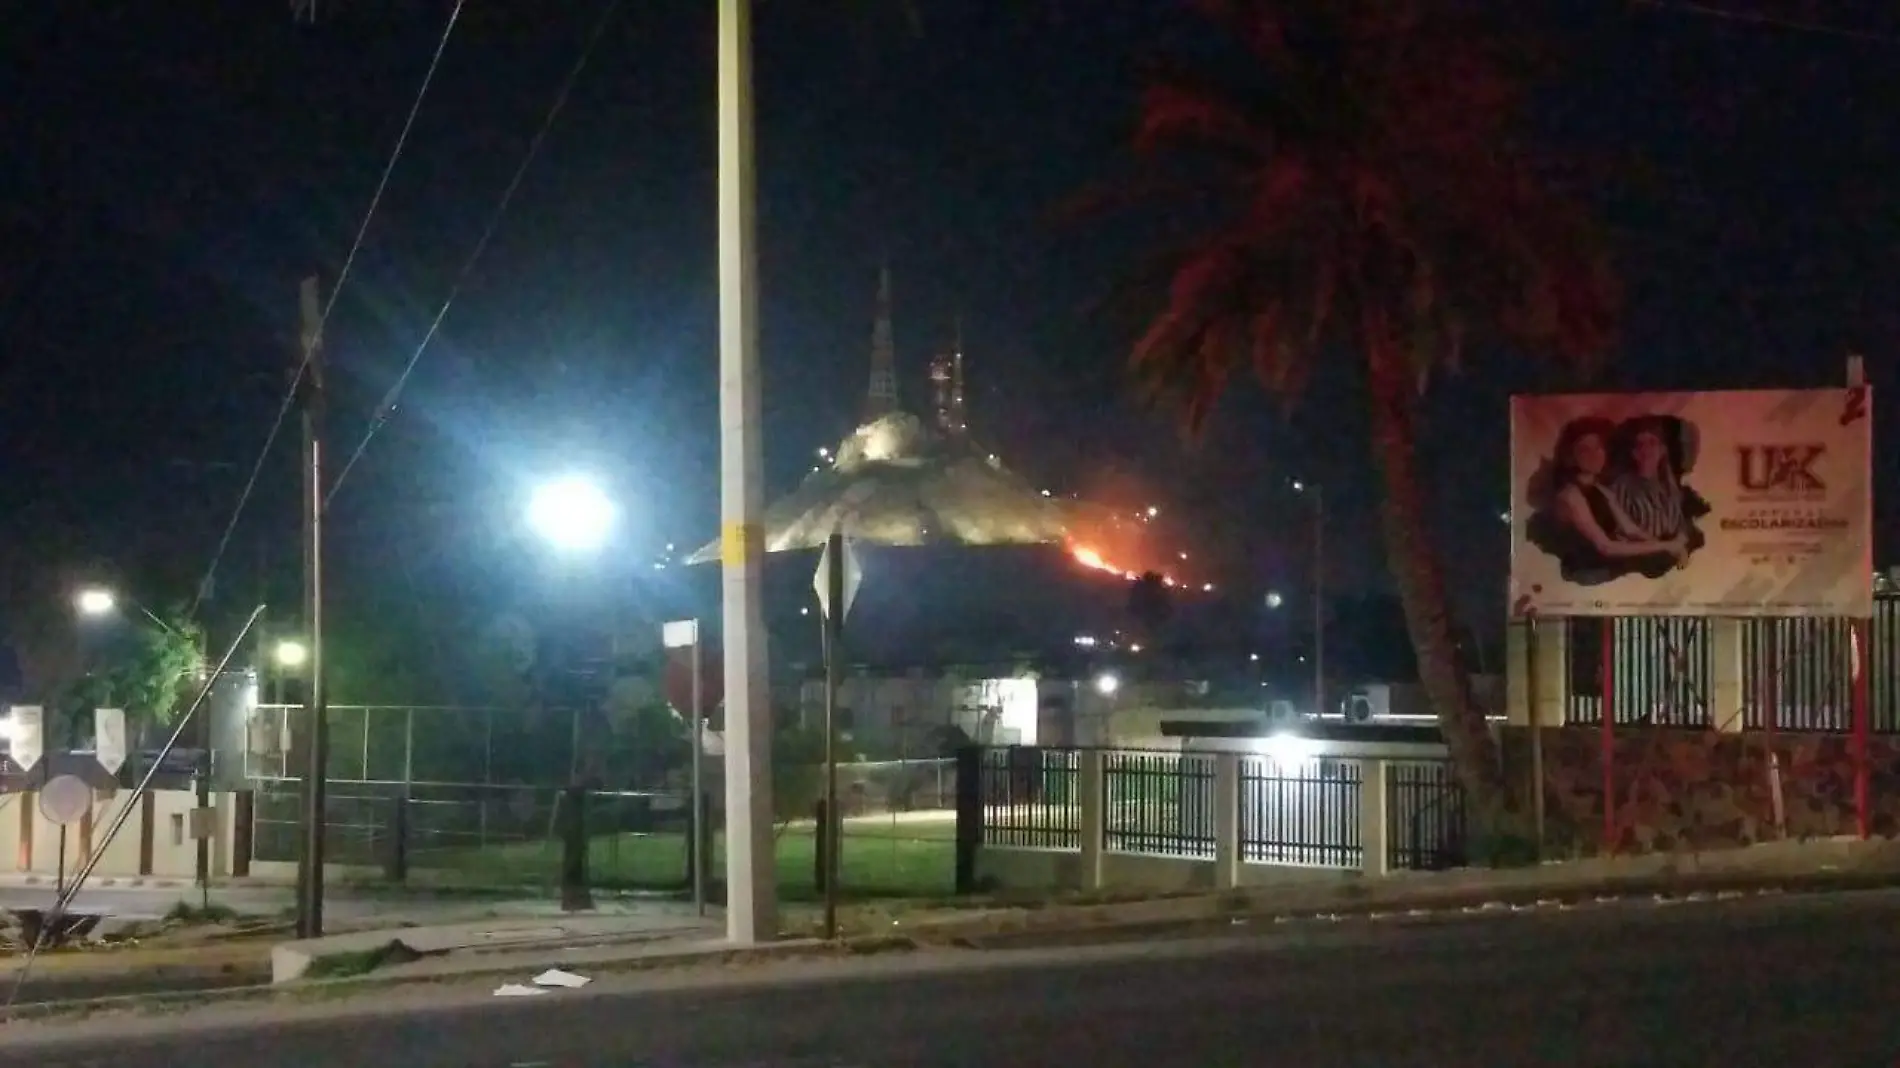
(322, 989)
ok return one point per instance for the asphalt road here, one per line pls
(1805, 982)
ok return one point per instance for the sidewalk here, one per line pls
(659, 937)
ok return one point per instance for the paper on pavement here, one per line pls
(517, 990)
(557, 977)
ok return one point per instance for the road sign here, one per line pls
(65, 799)
(680, 634)
(108, 734)
(853, 577)
(28, 737)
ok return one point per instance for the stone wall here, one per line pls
(1703, 789)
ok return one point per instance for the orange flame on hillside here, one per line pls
(1094, 561)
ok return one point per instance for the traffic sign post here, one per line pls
(836, 583)
(64, 801)
(684, 634)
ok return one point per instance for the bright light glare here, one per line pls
(95, 602)
(1286, 748)
(572, 514)
(1107, 684)
(290, 653)
(1274, 600)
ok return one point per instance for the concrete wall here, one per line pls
(1694, 789)
(30, 843)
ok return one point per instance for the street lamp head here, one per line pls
(572, 514)
(290, 653)
(95, 601)
(1106, 685)
(1274, 600)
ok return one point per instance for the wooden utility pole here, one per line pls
(316, 723)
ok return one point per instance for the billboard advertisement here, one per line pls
(1734, 503)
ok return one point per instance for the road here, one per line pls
(1791, 981)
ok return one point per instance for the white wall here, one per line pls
(174, 852)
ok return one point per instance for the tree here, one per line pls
(1372, 196)
(148, 671)
(1150, 603)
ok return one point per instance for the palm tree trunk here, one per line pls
(1420, 578)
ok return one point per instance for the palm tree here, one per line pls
(1372, 197)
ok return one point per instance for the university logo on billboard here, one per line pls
(1738, 503)
(1779, 472)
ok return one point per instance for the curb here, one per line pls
(1244, 904)
(324, 989)
(1079, 921)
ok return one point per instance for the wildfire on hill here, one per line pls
(1093, 560)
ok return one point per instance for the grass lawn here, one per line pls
(881, 859)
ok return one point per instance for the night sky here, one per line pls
(171, 171)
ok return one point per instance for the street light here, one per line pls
(571, 513)
(94, 602)
(291, 653)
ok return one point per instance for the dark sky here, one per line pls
(171, 170)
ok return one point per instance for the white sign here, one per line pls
(65, 800)
(26, 733)
(680, 634)
(108, 734)
(853, 578)
(1738, 503)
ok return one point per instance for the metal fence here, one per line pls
(1796, 673)
(1660, 669)
(1158, 803)
(498, 834)
(1029, 797)
(424, 743)
(1303, 813)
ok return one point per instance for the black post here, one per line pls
(575, 896)
(821, 861)
(397, 862)
(969, 815)
(830, 827)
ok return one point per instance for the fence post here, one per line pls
(1374, 803)
(574, 894)
(397, 862)
(1227, 853)
(969, 816)
(1091, 790)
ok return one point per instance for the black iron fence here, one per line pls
(1796, 674)
(1158, 803)
(1028, 797)
(1304, 812)
(1300, 813)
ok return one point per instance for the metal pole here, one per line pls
(316, 721)
(1535, 717)
(1319, 600)
(751, 875)
(833, 830)
(698, 829)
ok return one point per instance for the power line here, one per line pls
(387, 407)
(1690, 7)
(316, 337)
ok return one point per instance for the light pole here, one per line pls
(1315, 493)
(751, 890)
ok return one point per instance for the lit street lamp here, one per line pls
(94, 602)
(572, 514)
(291, 654)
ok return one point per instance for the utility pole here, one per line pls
(751, 867)
(1319, 600)
(316, 726)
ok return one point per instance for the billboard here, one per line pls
(1735, 503)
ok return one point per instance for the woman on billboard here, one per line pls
(1586, 526)
(1654, 451)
